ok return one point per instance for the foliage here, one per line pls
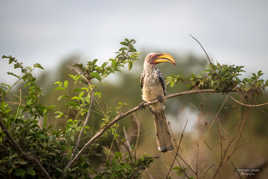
(171, 80)
(223, 78)
(117, 168)
(21, 111)
(125, 55)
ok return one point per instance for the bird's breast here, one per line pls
(152, 89)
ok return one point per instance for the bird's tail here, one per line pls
(163, 136)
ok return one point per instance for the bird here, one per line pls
(153, 87)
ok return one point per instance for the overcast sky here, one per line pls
(233, 31)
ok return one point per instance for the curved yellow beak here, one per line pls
(164, 58)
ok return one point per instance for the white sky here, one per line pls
(233, 32)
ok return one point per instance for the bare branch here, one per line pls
(123, 115)
(217, 114)
(177, 151)
(22, 153)
(187, 164)
(110, 148)
(128, 146)
(149, 174)
(206, 171)
(200, 44)
(235, 169)
(248, 105)
(138, 125)
(197, 162)
(234, 140)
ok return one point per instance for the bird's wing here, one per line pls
(141, 80)
(162, 81)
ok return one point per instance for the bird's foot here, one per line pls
(142, 104)
(160, 99)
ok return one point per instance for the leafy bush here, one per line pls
(21, 112)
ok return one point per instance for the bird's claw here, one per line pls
(160, 99)
(142, 104)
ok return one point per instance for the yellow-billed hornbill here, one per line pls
(153, 87)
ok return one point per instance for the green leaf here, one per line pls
(76, 98)
(37, 65)
(124, 43)
(31, 171)
(59, 83)
(13, 74)
(61, 97)
(130, 65)
(65, 84)
(98, 94)
(20, 172)
(17, 65)
(95, 75)
(59, 88)
(74, 77)
(85, 89)
(59, 114)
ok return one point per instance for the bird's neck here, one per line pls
(149, 68)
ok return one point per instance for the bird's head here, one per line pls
(155, 58)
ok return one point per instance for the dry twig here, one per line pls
(138, 125)
(177, 150)
(204, 50)
(235, 140)
(248, 105)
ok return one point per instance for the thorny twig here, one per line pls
(110, 148)
(226, 157)
(206, 171)
(138, 125)
(128, 146)
(177, 150)
(200, 44)
(187, 164)
(235, 169)
(248, 105)
(197, 162)
(218, 112)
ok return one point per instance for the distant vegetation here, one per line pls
(73, 128)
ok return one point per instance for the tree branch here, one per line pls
(248, 105)
(127, 113)
(138, 125)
